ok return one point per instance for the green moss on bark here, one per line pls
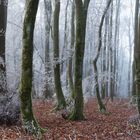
(59, 93)
(137, 67)
(29, 122)
(81, 16)
(77, 113)
(3, 23)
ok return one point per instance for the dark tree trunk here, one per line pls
(57, 79)
(3, 24)
(137, 67)
(29, 121)
(81, 17)
(135, 45)
(70, 73)
(101, 105)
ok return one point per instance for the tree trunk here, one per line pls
(70, 75)
(137, 67)
(130, 60)
(101, 105)
(59, 93)
(106, 51)
(133, 80)
(29, 121)
(3, 24)
(116, 42)
(65, 45)
(111, 54)
(81, 16)
(104, 66)
(135, 44)
(48, 13)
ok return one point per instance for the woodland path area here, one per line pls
(121, 124)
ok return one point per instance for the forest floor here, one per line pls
(121, 124)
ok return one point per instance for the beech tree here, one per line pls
(65, 44)
(137, 66)
(135, 44)
(48, 17)
(3, 24)
(81, 18)
(70, 65)
(59, 93)
(29, 122)
(101, 105)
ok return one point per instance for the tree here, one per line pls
(111, 56)
(101, 105)
(59, 93)
(81, 18)
(135, 44)
(70, 75)
(137, 66)
(130, 59)
(29, 122)
(63, 65)
(47, 15)
(116, 43)
(3, 24)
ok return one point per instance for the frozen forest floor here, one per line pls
(121, 124)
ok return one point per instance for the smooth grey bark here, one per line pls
(116, 42)
(111, 80)
(104, 84)
(48, 93)
(106, 52)
(130, 60)
(65, 45)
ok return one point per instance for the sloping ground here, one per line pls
(121, 124)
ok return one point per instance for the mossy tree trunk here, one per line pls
(135, 45)
(29, 121)
(137, 67)
(101, 105)
(3, 24)
(81, 16)
(70, 66)
(59, 93)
